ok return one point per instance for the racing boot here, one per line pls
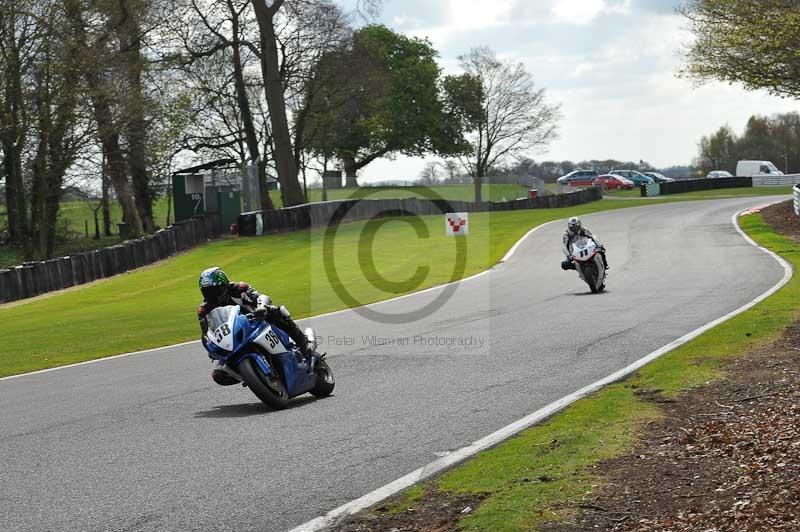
(294, 332)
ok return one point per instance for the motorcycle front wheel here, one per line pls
(325, 380)
(270, 390)
(590, 274)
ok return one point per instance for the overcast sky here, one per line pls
(611, 64)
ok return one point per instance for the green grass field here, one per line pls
(448, 192)
(74, 215)
(563, 450)
(155, 306)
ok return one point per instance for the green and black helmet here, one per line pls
(214, 285)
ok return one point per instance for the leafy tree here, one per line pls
(378, 95)
(742, 41)
(719, 151)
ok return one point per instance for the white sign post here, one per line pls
(456, 223)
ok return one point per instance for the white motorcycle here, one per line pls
(589, 263)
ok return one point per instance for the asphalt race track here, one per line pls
(148, 442)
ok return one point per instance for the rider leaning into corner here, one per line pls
(574, 230)
(219, 292)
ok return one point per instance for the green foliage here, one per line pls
(377, 95)
(748, 42)
(774, 138)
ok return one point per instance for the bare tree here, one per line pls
(94, 42)
(502, 110)
(429, 174)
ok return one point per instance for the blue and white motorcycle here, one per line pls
(264, 358)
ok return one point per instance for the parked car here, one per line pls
(578, 178)
(718, 174)
(638, 178)
(613, 182)
(756, 168)
(659, 178)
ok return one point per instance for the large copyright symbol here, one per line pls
(367, 263)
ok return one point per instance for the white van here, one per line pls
(756, 168)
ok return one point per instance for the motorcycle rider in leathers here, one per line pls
(218, 292)
(576, 229)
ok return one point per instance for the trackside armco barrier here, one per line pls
(321, 214)
(776, 180)
(796, 191)
(693, 185)
(35, 278)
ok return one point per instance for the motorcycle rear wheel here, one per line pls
(325, 380)
(272, 392)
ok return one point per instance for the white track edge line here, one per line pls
(334, 516)
(505, 258)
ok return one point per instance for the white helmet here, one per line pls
(574, 224)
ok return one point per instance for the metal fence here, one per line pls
(776, 180)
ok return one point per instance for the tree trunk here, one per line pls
(247, 117)
(117, 173)
(107, 130)
(478, 182)
(104, 203)
(13, 141)
(116, 165)
(15, 193)
(291, 192)
(137, 126)
(350, 171)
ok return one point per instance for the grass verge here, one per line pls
(539, 475)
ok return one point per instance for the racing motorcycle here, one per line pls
(264, 358)
(589, 263)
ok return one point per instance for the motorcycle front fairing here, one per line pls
(298, 373)
(585, 250)
(230, 339)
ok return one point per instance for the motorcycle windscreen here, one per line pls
(220, 315)
(220, 326)
(582, 248)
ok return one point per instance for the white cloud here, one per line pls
(582, 12)
(578, 11)
(614, 75)
(466, 15)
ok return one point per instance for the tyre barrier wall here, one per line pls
(693, 185)
(322, 214)
(35, 278)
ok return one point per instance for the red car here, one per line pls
(613, 181)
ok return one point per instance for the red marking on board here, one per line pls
(456, 225)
